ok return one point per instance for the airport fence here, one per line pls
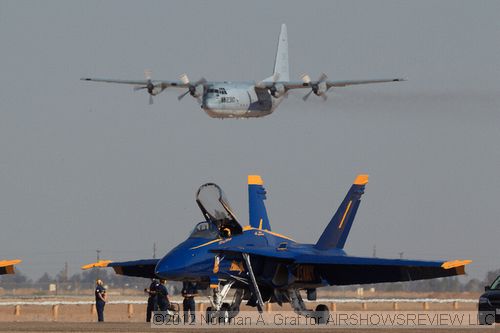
(364, 304)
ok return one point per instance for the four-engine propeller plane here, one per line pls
(7, 266)
(244, 99)
(265, 266)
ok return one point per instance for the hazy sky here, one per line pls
(87, 165)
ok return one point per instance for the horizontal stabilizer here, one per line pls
(140, 268)
(335, 234)
(98, 264)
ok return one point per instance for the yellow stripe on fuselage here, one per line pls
(245, 228)
(345, 214)
(249, 228)
(205, 244)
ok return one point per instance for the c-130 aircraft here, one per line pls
(244, 99)
(262, 265)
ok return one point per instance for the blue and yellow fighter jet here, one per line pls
(265, 266)
(7, 266)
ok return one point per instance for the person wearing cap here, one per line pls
(189, 291)
(162, 296)
(100, 299)
(152, 299)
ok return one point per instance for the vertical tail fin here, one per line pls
(256, 207)
(281, 68)
(336, 232)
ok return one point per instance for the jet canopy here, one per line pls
(215, 208)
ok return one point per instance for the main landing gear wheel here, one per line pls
(224, 314)
(321, 314)
(487, 319)
(233, 311)
(209, 315)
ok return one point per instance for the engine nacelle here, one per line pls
(156, 90)
(196, 91)
(277, 90)
(319, 89)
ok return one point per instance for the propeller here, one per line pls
(192, 87)
(318, 87)
(150, 87)
(277, 89)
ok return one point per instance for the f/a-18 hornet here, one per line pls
(244, 99)
(262, 265)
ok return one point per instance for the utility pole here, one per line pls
(98, 253)
(154, 250)
(65, 272)
(374, 251)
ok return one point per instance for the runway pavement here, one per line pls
(144, 327)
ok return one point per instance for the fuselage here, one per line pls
(194, 260)
(237, 100)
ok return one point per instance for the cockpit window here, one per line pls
(221, 91)
(216, 209)
(204, 230)
(496, 284)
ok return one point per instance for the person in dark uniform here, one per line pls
(162, 296)
(152, 299)
(189, 291)
(100, 299)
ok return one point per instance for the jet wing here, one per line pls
(345, 270)
(140, 268)
(7, 266)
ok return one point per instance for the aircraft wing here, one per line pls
(140, 268)
(7, 266)
(329, 84)
(345, 270)
(156, 83)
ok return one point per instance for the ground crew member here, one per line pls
(162, 296)
(189, 291)
(152, 299)
(100, 299)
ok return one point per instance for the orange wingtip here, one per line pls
(455, 263)
(100, 263)
(361, 180)
(4, 263)
(255, 180)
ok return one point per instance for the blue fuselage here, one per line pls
(195, 260)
